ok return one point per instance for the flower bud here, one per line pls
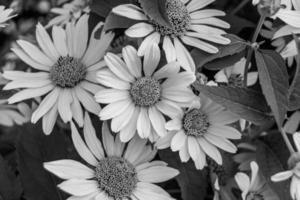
(268, 8)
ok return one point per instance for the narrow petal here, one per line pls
(151, 59)
(243, 181)
(133, 62)
(183, 56)
(80, 36)
(121, 121)
(221, 142)
(197, 5)
(114, 109)
(296, 137)
(129, 130)
(157, 174)
(169, 49)
(212, 21)
(290, 17)
(130, 11)
(225, 132)
(147, 42)
(178, 141)
(158, 121)
(143, 123)
(79, 187)
(168, 70)
(77, 110)
(210, 150)
(69, 169)
(199, 44)
(64, 105)
(168, 108)
(49, 120)
(207, 13)
(29, 83)
(111, 95)
(195, 151)
(139, 30)
(60, 41)
(108, 140)
(87, 101)
(108, 79)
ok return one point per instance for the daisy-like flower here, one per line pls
(200, 131)
(255, 188)
(14, 114)
(294, 172)
(70, 12)
(139, 94)
(5, 15)
(66, 74)
(189, 25)
(234, 75)
(281, 9)
(117, 171)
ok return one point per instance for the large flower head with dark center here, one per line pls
(139, 95)
(187, 23)
(113, 171)
(200, 131)
(66, 66)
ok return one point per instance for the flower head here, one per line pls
(5, 15)
(188, 25)
(200, 131)
(255, 188)
(66, 68)
(117, 171)
(294, 172)
(140, 94)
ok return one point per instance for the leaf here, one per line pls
(34, 148)
(294, 90)
(246, 103)
(270, 165)
(273, 78)
(155, 9)
(114, 21)
(193, 183)
(103, 7)
(10, 186)
(237, 45)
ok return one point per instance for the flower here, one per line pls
(188, 25)
(66, 74)
(200, 130)
(138, 95)
(255, 188)
(294, 172)
(281, 9)
(14, 114)
(234, 75)
(117, 171)
(70, 12)
(5, 15)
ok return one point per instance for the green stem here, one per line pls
(250, 52)
(287, 141)
(239, 7)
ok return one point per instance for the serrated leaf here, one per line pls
(270, 165)
(103, 7)
(294, 90)
(155, 9)
(246, 103)
(273, 78)
(10, 185)
(34, 148)
(236, 46)
(193, 183)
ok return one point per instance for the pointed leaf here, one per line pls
(246, 103)
(273, 78)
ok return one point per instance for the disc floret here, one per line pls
(195, 123)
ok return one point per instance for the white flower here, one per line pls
(293, 122)
(14, 114)
(293, 173)
(70, 12)
(117, 171)
(5, 15)
(234, 75)
(189, 25)
(256, 187)
(282, 9)
(66, 72)
(200, 131)
(139, 94)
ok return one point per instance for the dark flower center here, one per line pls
(195, 123)
(236, 80)
(67, 72)
(145, 91)
(116, 176)
(178, 17)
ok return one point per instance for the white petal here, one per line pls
(210, 150)
(59, 39)
(148, 191)
(169, 49)
(108, 79)
(91, 139)
(199, 44)
(114, 109)
(215, 38)
(69, 169)
(133, 62)
(129, 130)
(29, 83)
(221, 142)
(49, 120)
(168, 108)
(151, 59)
(183, 56)
(195, 151)
(20, 75)
(147, 42)
(80, 36)
(136, 147)
(168, 70)
(130, 11)
(157, 174)
(64, 105)
(139, 30)
(87, 100)
(212, 21)
(290, 17)
(158, 121)
(111, 95)
(206, 13)
(225, 132)
(243, 181)
(121, 121)
(178, 141)
(81, 148)
(77, 110)
(183, 79)
(79, 187)
(108, 140)
(281, 176)
(143, 123)
(196, 5)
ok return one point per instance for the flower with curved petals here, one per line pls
(234, 75)
(139, 94)
(294, 172)
(117, 171)
(190, 24)
(200, 131)
(256, 187)
(5, 15)
(66, 76)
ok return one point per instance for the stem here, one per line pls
(239, 7)
(250, 52)
(287, 141)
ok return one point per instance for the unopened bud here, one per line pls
(294, 160)
(268, 8)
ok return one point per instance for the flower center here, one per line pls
(116, 176)
(195, 123)
(145, 91)
(67, 72)
(178, 16)
(236, 80)
(254, 196)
